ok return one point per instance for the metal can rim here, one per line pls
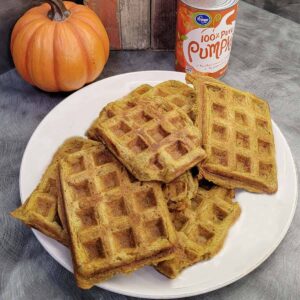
(227, 4)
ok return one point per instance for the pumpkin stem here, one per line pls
(58, 11)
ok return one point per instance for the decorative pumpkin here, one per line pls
(59, 46)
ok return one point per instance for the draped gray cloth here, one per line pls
(289, 9)
(265, 60)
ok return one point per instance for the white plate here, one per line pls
(264, 221)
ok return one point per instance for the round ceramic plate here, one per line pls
(262, 225)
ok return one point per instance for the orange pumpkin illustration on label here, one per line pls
(204, 39)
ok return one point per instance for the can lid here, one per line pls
(210, 4)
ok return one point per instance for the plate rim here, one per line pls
(40, 236)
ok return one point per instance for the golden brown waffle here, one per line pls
(237, 135)
(191, 77)
(180, 191)
(153, 138)
(107, 113)
(115, 225)
(42, 210)
(201, 228)
(176, 92)
(140, 90)
(196, 78)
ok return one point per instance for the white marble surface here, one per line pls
(265, 60)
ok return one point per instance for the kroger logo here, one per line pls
(202, 19)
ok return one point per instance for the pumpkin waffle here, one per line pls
(42, 210)
(180, 191)
(176, 92)
(238, 138)
(191, 77)
(201, 228)
(115, 225)
(196, 78)
(108, 113)
(153, 138)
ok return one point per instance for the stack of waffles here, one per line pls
(153, 184)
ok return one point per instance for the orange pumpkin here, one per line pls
(59, 46)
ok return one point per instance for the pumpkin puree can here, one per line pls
(204, 35)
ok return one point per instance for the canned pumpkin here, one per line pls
(204, 35)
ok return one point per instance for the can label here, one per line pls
(204, 39)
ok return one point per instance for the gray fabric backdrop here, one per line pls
(289, 9)
(265, 60)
